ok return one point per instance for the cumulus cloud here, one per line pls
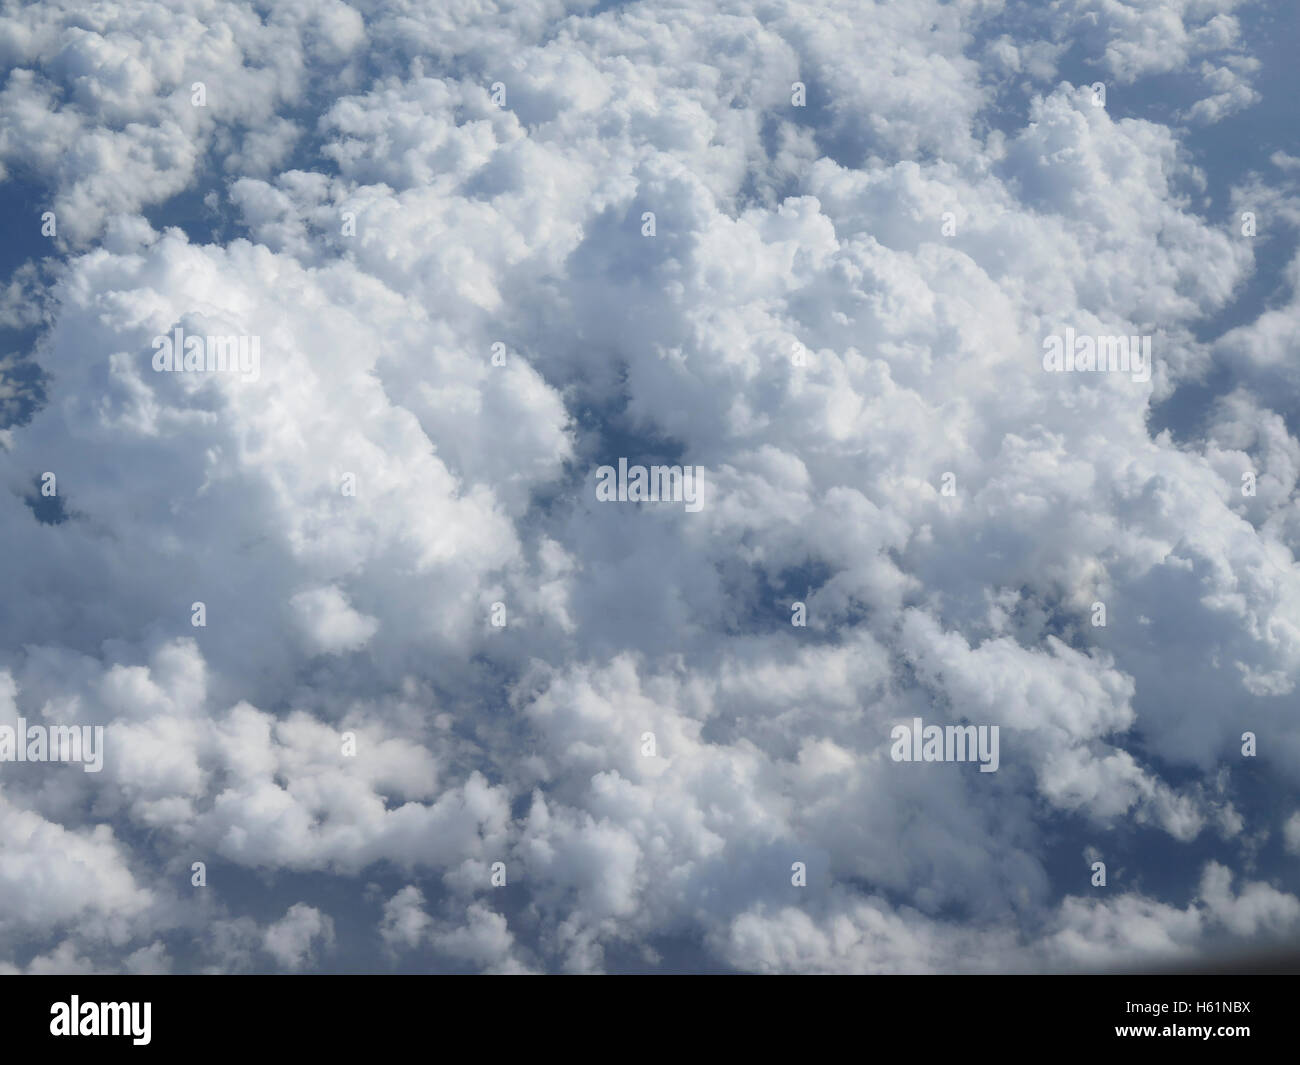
(364, 640)
(292, 939)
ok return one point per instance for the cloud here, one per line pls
(358, 627)
(292, 939)
(329, 623)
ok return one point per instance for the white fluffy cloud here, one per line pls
(292, 939)
(458, 318)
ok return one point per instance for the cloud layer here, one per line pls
(445, 709)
